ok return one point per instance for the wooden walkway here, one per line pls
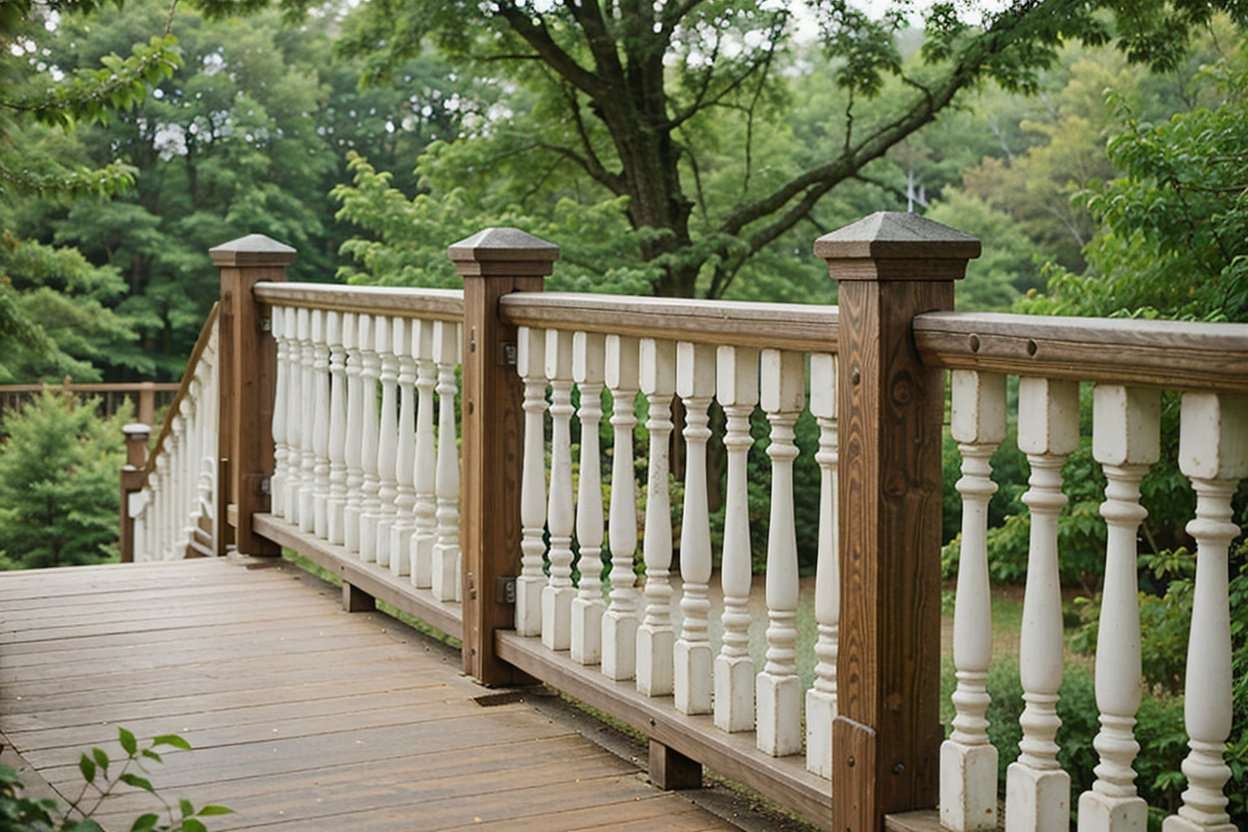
(303, 717)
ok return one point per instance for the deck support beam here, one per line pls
(672, 771)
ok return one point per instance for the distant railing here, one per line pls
(169, 502)
(419, 444)
(148, 397)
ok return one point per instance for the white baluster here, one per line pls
(355, 432)
(558, 593)
(737, 389)
(446, 340)
(294, 414)
(588, 371)
(1126, 440)
(405, 452)
(619, 622)
(695, 384)
(531, 366)
(779, 689)
(424, 480)
(968, 762)
(190, 483)
(656, 639)
(277, 324)
(387, 440)
(821, 706)
(307, 425)
(334, 326)
(370, 370)
(320, 426)
(1213, 454)
(1037, 790)
(162, 494)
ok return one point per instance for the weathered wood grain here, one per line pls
(398, 301)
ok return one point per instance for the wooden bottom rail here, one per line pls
(369, 578)
(782, 779)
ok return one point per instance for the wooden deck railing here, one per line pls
(147, 396)
(342, 416)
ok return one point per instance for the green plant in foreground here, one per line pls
(26, 814)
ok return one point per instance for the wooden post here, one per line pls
(886, 737)
(493, 262)
(132, 479)
(248, 372)
(147, 403)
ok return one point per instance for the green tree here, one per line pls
(58, 483)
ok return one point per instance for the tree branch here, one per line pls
(539, 37)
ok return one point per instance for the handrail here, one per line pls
(787, 326)
(403, 301)
(201, 343)
(1171, 354)
(92, 387)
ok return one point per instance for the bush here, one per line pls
(59, 495)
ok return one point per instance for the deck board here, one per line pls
(303, 717)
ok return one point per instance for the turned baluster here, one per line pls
(336, 503)
(619, 621)
(1213, 454)
(424, 482)
(185, 468)
(294, 416)
(162, 496)
(558, 593)
(307, 423)
(821, 699)
(354, 444)
(370, 370)
(320, 426)
(655, 637)
(387, 441)
(1126, 441)
(695, 384)
(968, 762)
(277, 324)
(531, 367)
(737, 389)
(446, 554)
(778, 688)
(1037, 789)
(588, 371)
(405, 450)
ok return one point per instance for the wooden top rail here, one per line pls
(401, 301)
(201, 344)
(1171, 354)
(788, 326)
(93, 387)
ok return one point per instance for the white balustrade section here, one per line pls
(531, 366)
(619, 621)
(693, 680)
(307, 425)
(447, 564)
(821, 707)
(353, 439)
(424, 483)
(336, 324)
(1213, 454)
(405, 449)
(281, 452)
(968, 762)
(558, 593)
(588, 371)
(1037, 789)
(370, 372)
(656, 638)
(779, 690)
(293, 481)
(737, 387)
(387, 440)
(320, 424)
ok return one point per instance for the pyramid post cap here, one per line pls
(898, 246)
(503, 251)
(252, 250)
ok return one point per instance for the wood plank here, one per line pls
(374, 580)
(923, 821)
(401, 301)
(784, 779)
(1177, 355)
(675, 814)
(788, 326)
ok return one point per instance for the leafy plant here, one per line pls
(19, 813)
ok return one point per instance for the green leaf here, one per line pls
(137, 781)
(87, 767)
(172, 740)
(144, 823)
(187, 807)
(215, 809)
(192, 825)
(152, 755)
(128, 742)
(101, 759)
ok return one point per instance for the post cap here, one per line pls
(135, 430)
(252, 250)
(504, 252)
(891, 245)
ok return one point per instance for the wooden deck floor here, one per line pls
(303, 717)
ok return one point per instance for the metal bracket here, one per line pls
(266, 324)
(505, 589)
(266, 486)
(509, 355)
